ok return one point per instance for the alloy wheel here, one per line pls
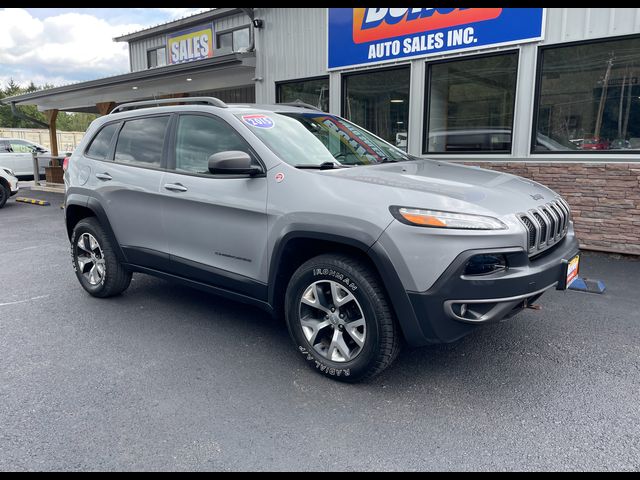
(332, 321)
(90, 259)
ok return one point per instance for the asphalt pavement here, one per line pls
(169, 378)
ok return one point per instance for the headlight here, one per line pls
(10, 172)
(439, 219)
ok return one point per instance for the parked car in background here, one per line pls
(487, 139)
(8, 185)
(620, 144)
(595, 143)
(401, 140)
(16, 155)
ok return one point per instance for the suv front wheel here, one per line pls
(339, 316)
(95, 261)
(5, 193)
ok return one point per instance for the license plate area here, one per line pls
(570, 272)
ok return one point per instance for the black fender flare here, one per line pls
(94, 206)
(374, 251)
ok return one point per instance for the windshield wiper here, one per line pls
(322, 166)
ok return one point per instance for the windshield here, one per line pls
(306, 139)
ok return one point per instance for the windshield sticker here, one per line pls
(257, 120)
(357, 141)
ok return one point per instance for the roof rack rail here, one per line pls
(301, 105)
(216, 102)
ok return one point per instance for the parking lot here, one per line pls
(169, 378)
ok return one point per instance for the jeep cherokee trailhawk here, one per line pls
(358, 245)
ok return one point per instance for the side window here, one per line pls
(4, 147)
(21, 147)
(99, 148)
(199, 137)
(141, 140)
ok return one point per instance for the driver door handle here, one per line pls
(176, 187)
(104, 176)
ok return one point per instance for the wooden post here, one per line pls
(51, 116)
(173, 95)
(105, 107)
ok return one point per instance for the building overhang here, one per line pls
(179, 23)
(226, 71)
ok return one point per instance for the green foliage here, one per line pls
(67, 122)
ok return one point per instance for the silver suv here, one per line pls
(358, 245)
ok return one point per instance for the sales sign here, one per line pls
(189, 45)
(361, 36)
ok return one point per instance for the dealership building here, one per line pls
(551, 94)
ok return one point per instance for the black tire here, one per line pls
(382, 339)
(116, 278)
(5, 193)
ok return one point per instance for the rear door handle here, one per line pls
(104, 176)
(176, 187)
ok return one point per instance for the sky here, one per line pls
(66, 45)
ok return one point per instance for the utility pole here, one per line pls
(603, 96)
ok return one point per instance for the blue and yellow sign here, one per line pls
(189, 45)
(360, 36)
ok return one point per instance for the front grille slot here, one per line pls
(546, 225)
(531, 228)
(562, 219)
(543, 227)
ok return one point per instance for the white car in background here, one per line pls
(16, 155)
(8, 185)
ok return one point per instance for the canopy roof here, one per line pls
(225, 71)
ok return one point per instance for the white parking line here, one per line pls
(24, 301)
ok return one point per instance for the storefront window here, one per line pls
(379, 102)
(314, 92)
(470, 104)
(589, 98)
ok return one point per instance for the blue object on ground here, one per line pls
(587, 285)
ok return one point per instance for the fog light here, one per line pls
(485, 264)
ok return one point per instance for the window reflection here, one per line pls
(590, 98)
(470, 104)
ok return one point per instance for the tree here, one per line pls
(76, 122)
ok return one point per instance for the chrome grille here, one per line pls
(546, 225)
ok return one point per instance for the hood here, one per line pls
(446, 186)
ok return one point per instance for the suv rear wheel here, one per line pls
(339, 316)
(95, 261)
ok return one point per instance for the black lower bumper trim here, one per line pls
(440, 309)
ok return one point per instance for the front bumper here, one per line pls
(14, 186)
(457, 304)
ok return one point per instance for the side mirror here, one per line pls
(232, 162)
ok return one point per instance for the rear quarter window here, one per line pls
(99, 146)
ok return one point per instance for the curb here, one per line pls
(588, 285)
(32, 201)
